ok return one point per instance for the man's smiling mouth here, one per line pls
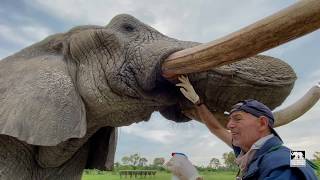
(234, 133)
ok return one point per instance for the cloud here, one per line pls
(181, 19)
(97, 12)
(167, 133)
(161, 136)
(24, 35)
(301, 88)
(8, 34)
(4, 53)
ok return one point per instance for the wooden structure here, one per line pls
(136, 173)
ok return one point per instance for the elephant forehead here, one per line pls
(124, 19)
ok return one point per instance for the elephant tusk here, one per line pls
(290, 23)
(298, 108)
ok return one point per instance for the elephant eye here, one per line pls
(128, 27)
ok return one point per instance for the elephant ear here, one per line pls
(39, 103)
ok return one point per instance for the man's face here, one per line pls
(245, 129)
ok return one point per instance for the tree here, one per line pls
(229, 160)
(142, 161)
(116, 164)
(134, 159)
(158, 161)
(125, 160)
(214, 163)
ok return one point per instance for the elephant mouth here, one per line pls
(143, 81)
(165, 94)
(157, 88)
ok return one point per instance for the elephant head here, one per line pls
(62, 99)
(69, 92)
(89, 76)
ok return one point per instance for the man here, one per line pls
(258, 148)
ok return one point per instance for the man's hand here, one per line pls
(187, 90)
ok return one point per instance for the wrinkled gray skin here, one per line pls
(61, 99)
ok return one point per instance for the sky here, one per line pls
(23, 23)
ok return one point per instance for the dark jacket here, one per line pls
(272, 161)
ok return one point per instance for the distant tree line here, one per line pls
(137, 162)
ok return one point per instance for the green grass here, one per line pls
(160, 176)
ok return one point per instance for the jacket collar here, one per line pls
(254, 164)
(272, 142)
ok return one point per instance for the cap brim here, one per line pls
(275, 133)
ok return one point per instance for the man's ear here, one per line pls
(263, 123)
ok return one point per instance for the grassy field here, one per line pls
(160, 176)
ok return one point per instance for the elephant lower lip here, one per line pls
(159, 91)
(165, 92)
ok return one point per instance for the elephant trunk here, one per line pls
(297, 109)
(288, 24)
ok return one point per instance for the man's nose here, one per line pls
(230, 124)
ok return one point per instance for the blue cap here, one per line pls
(174, 153)
(257, 109)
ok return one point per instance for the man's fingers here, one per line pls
(185, 93)
(181, 78)
(184, 79)
(187, 87)
(182, 85)
(187, 78)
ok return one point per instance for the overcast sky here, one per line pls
(23, 23)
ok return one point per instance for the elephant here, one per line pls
(63, 98)
(297, 155)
